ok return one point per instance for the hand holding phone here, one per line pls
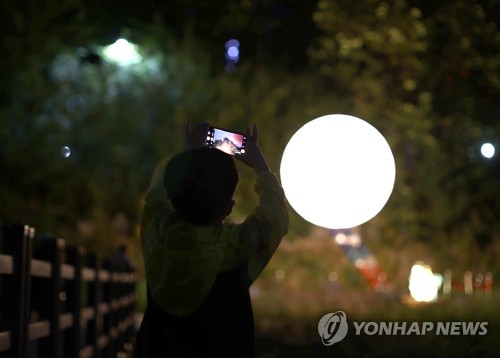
(253, 156)
(232, 143)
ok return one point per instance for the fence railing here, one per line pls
(58, 301)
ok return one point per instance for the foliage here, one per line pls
(427, 77)
(118, 122)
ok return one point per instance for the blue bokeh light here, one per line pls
(232, 54)
(232, 43)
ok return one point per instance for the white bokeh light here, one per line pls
(488, 150)
(337, 171)
(423, 283)
(65, 151)
(122, 52)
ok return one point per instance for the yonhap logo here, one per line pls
(332, 327)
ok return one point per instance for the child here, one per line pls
(199, 268)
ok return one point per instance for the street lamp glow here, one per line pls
(488, 150)
(122, 52)
(337, 171)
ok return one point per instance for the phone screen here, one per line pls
(226, 141)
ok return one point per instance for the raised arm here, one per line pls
(253, 156)
(269, 221)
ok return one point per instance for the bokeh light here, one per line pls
(279, 274)
(122, 52)
(488, 150)
(65, 152)
(232, 43)
(423, 283)
(232, 51)
(337, 171)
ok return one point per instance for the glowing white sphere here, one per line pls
(488, 150)
(337, 171)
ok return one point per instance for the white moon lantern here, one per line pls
(337, 171)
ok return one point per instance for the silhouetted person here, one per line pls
(199, 268)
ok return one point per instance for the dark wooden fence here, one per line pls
(61, 302)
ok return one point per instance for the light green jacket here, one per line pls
(182, 260)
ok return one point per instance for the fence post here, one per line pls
(72, 344)
(108, 318)
(127, 290)
(94, 297)
(15, 304)
(51, 250)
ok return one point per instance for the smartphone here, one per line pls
(229, 142)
